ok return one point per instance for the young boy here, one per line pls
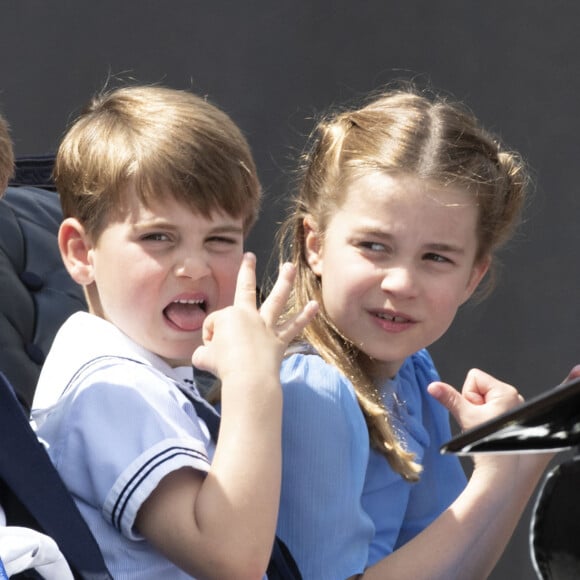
(159, 189)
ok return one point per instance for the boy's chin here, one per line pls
(179, 353)
(174, 363)
(178, 360)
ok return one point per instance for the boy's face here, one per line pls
(162, 270)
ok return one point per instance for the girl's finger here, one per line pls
(449, 398)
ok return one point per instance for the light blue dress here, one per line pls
(342, 507)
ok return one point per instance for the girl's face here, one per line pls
(396, 261)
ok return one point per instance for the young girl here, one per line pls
(401, 207)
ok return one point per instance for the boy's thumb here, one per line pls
(200, 357)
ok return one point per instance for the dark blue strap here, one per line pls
(207, 414)
(28, 473)
(282, 565)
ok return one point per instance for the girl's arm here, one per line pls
(466, 541)
(223, 525)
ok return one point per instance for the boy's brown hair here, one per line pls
(164, 141)
(6, 155)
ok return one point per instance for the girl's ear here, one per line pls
(477, 273)
(312, 245)
(75, 249)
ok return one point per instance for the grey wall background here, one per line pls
(273, 65)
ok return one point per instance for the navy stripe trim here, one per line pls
(94, 362)
(152, 464)
(137, 479)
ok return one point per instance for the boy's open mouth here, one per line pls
(186, 314)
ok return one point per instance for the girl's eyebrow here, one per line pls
(433, 246)
(375, 231)
(447, 248)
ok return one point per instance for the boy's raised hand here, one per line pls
(238, 336)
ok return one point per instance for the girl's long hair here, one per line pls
(400, 133)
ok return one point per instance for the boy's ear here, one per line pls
(477, 273)
(313, 245)
(75, 247)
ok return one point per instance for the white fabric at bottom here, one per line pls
(24, 549)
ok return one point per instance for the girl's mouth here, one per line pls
(392, 317)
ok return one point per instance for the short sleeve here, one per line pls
(325, 454)
(443, 478)
(121, 431)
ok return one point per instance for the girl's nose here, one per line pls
(399, 280)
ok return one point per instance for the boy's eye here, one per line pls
(218, 242)
(222, 240)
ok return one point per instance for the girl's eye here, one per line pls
(437, 258)
(155, 237)
(373, 246)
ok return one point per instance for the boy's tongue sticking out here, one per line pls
(186, 314)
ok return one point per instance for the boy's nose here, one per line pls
(400, 280)
(192, 266)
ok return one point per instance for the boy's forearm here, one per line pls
(240, 496)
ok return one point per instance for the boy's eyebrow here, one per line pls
(228, 228)
(159, 222)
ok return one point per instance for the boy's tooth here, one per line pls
(188, 301)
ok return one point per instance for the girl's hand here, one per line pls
(573, 374)
(482, 398)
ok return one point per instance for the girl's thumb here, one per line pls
(448, 396)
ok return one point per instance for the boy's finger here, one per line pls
(246, 283)
(298, 323)
(274, 305)
(198, 356)
(208, 326)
